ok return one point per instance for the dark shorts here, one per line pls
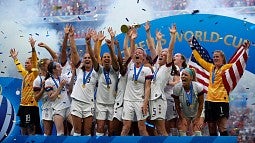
(29, 116)
(216, 110)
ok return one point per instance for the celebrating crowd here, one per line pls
(112, 94)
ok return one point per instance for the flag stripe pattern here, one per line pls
(201, 74)
(231, 76)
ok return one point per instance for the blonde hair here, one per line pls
(222, 55)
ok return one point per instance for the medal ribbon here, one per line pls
(139, 71)
(107, 77)
(85, 78)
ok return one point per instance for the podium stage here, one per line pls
(124, 139)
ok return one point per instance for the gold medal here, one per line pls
(191, 106)
(83, 86)
(59, 95)
(135, 81)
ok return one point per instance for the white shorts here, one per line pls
(171, 111)
(157, 109)
(47, 114)
(104, 111)
(132, 109)
(82, 109)
(118, 113)
(63, 112)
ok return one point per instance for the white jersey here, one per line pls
(120, 91)
(159, 82)
(62, 101)
(37, 84)
(67, 71)
(84, 92)
(106, 92)
(192, 109)
(169, 88)
(135, 89)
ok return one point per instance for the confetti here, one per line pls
(17, 92)
(137, 1)
(38, 53)
(57, 7)
(79, 18)
(244, 18)
(30, 34)
(87, 11)
(44, 18)
(1, 52)
(21, 36)
(195, 11)
(30, 52)
(37, 34)
(5, 37)
(2, 71)
(2, 32)
(143, 9)
(216, 23)
(127, 20)
(182, 32)
(47, 35)
(201, 20)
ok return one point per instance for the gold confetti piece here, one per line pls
(57, 7)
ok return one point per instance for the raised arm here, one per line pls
(34, 58)
(122, 67)
(125, 47)
(52, 53)
(159, 42)
(74, 53)
(151, 44)
(207, 66)
(171, 44)
(63, 57)
(111, 49)
(97, 46)
(133, 35)
(19, 66)
(91, 53)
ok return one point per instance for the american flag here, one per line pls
(234, 73)
(231, 76)
(201, 74)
